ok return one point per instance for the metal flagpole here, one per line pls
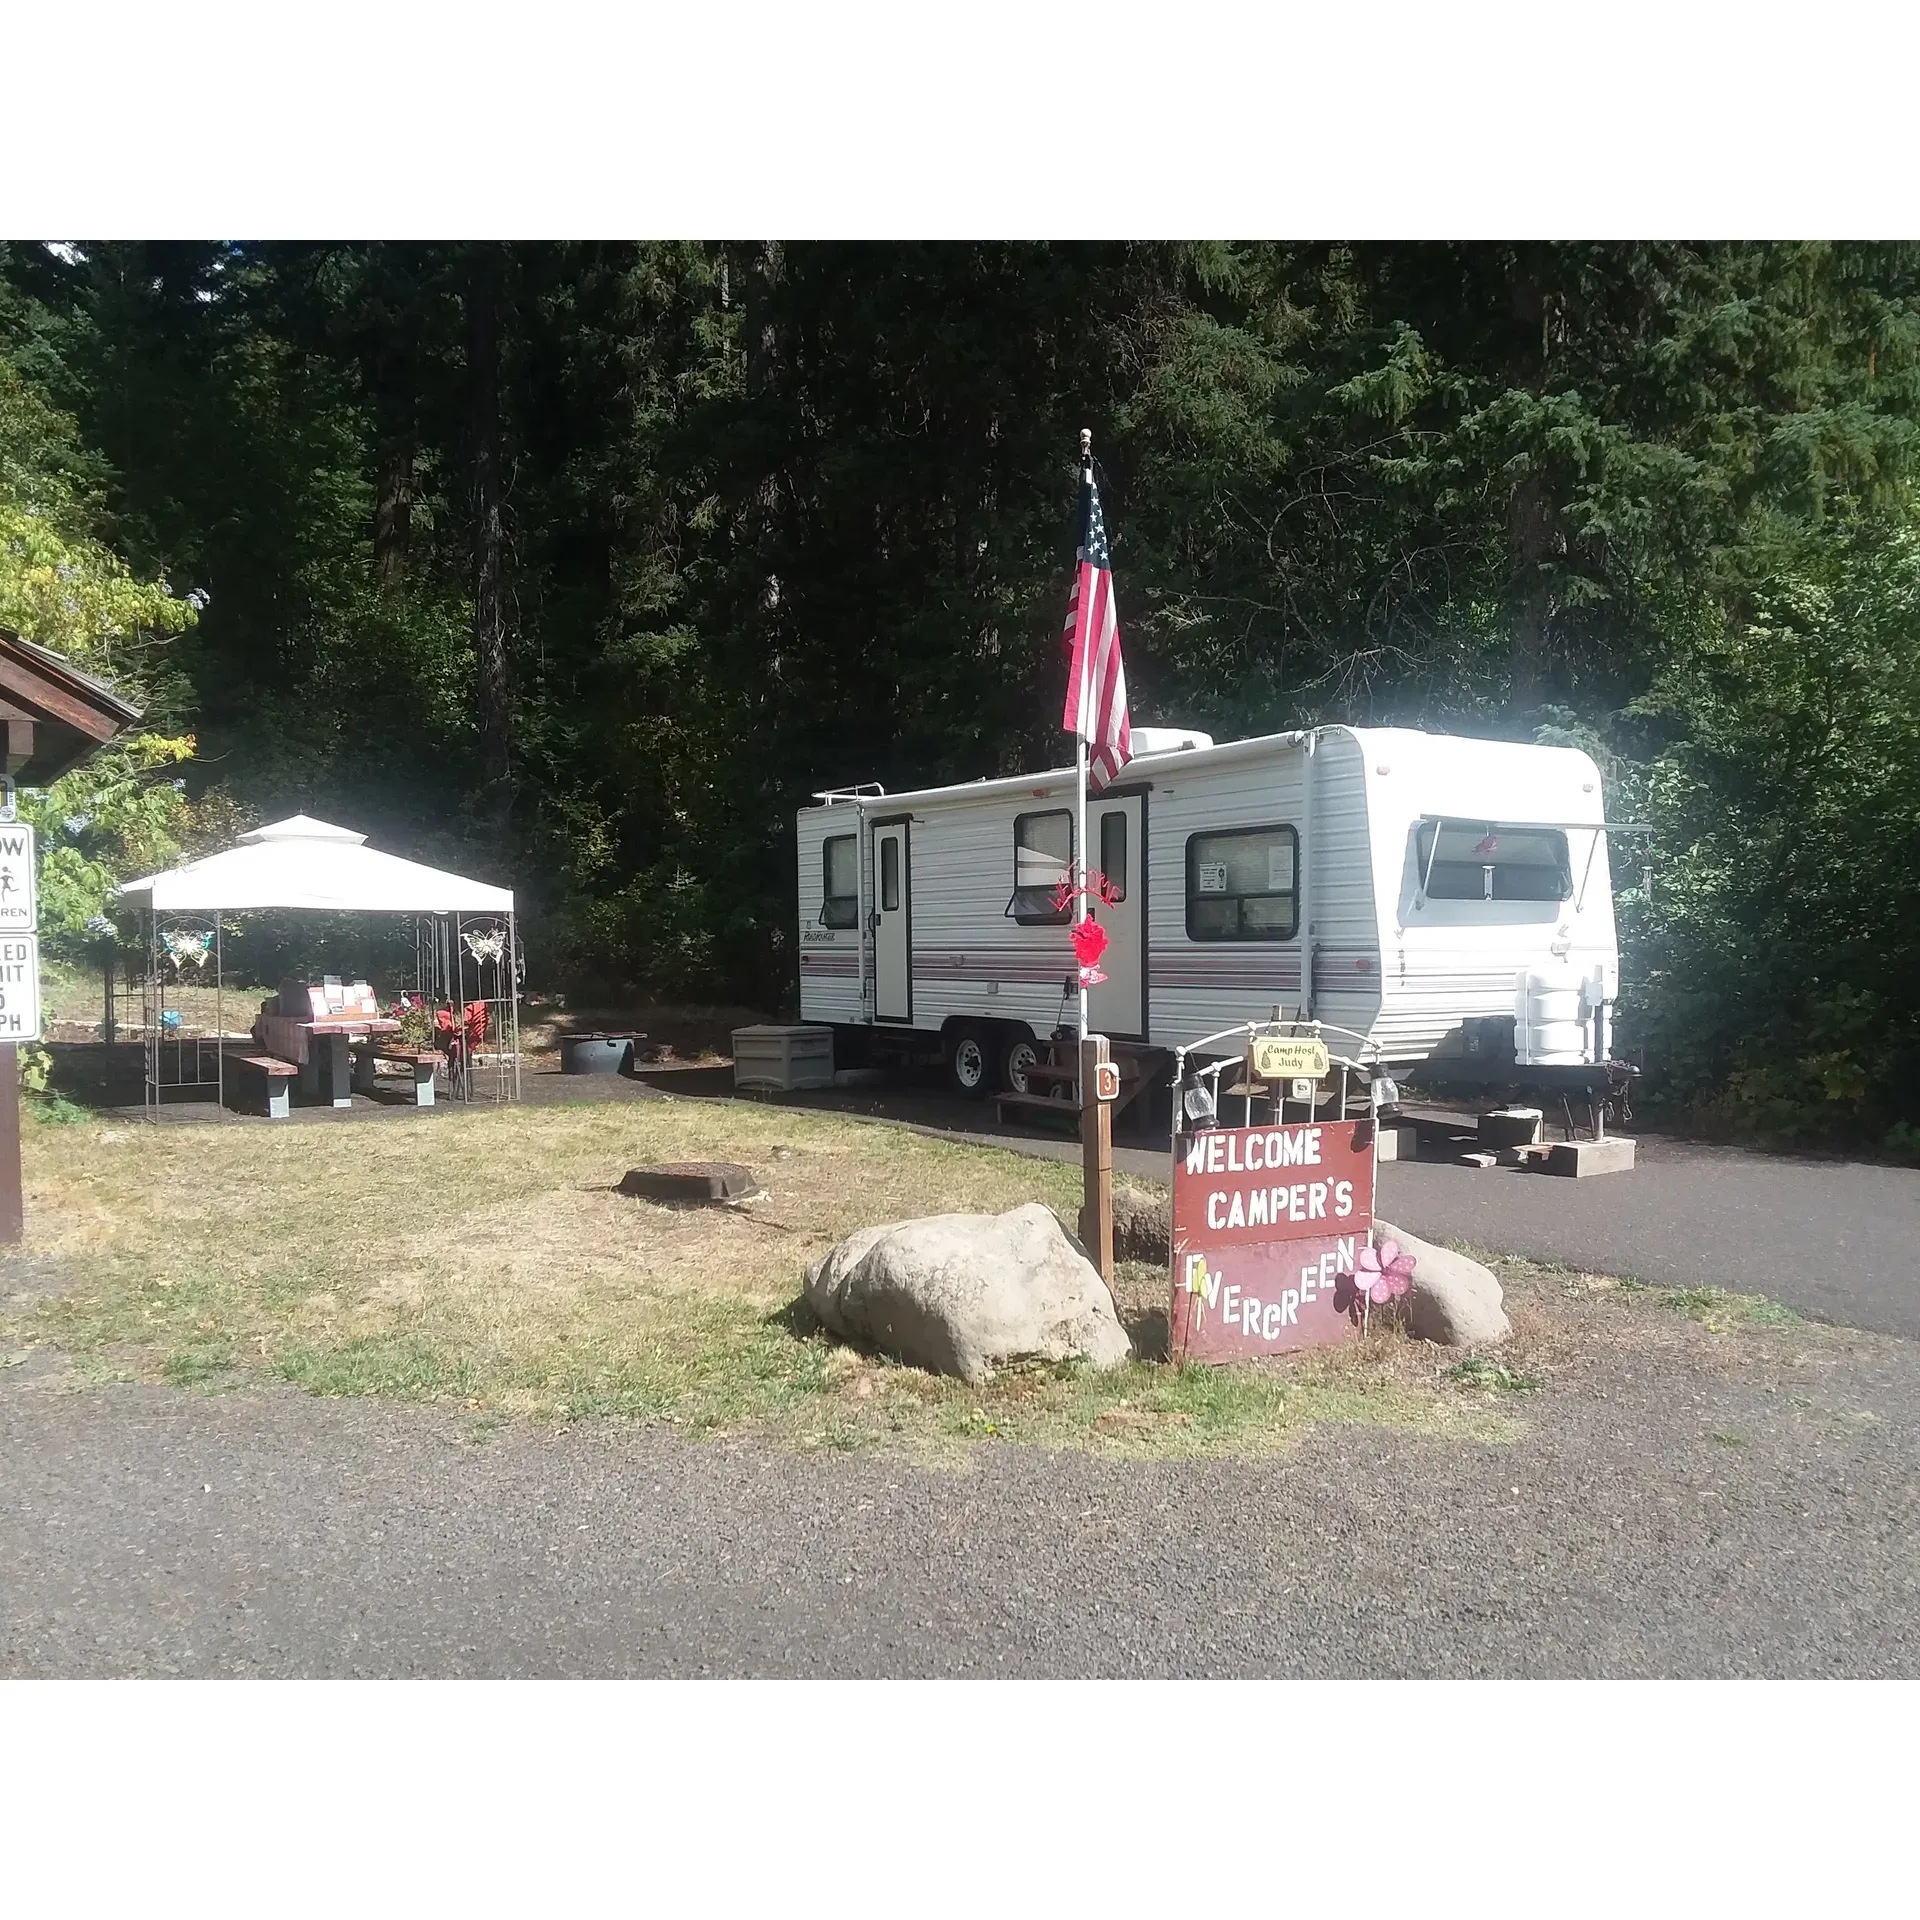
(1096, 1118)
(1080, 864)
(1084, 665)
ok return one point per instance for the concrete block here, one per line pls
(1522, 1156)
(1399, 1143)
(1511, 1127)
(1580, 1159)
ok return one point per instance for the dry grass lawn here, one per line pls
(483, 1260)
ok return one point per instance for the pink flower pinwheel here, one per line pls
(1383, 1273)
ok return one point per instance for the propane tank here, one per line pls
(1552, 1022)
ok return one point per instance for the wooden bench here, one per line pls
(425, 1062)
(276, 1078)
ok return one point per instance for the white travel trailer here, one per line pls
(1445, 899)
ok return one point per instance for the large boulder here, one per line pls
(962, 1293)
(1453, 1300)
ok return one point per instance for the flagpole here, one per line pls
(1080, 864)
(1080, 735)
(1096, 1117)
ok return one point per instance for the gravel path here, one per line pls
(1679, 1502)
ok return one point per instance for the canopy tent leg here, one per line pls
(150, 1017)
(513, 990)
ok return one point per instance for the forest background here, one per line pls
(579, 566)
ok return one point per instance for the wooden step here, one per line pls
(1039, 1103)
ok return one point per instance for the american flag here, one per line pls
(1096, 680)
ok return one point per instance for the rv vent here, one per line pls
(1169, 739)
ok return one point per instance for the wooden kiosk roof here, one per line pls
(54, 714)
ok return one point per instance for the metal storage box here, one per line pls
(783, 1059)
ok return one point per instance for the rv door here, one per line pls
(892, 923)
(1117, 852)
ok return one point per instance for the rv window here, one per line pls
(1481, 860)
(840, 873)
(1042, 859)
(1113, 854)
(890, 874)
(1241, 885)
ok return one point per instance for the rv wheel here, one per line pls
(967, 1063)
(1020, 1054)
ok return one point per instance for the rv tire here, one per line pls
(970, 1062)
(1018, 1052)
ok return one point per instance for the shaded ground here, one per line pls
(1678, 1500)
(108, 1081)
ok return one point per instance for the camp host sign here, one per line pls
(19, 940)
(1267, 1224)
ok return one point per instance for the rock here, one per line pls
(962, 1293)
(1142, 1226)
(1453, 1300)
(1511, 1127)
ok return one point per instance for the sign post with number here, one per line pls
(1099, 1086)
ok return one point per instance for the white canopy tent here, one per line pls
(307, 865)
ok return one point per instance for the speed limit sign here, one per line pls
(19, 986)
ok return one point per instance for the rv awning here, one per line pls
(307, 864)
(1595, 827)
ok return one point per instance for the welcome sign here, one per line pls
(1267, 1225)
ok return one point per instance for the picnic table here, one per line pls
(314, 1028)
(321, 1047)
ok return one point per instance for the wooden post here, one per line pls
(12, 1212)
(1096, 1155)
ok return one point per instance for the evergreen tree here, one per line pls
(583, 564)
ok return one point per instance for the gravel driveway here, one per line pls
(1678, 1501)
